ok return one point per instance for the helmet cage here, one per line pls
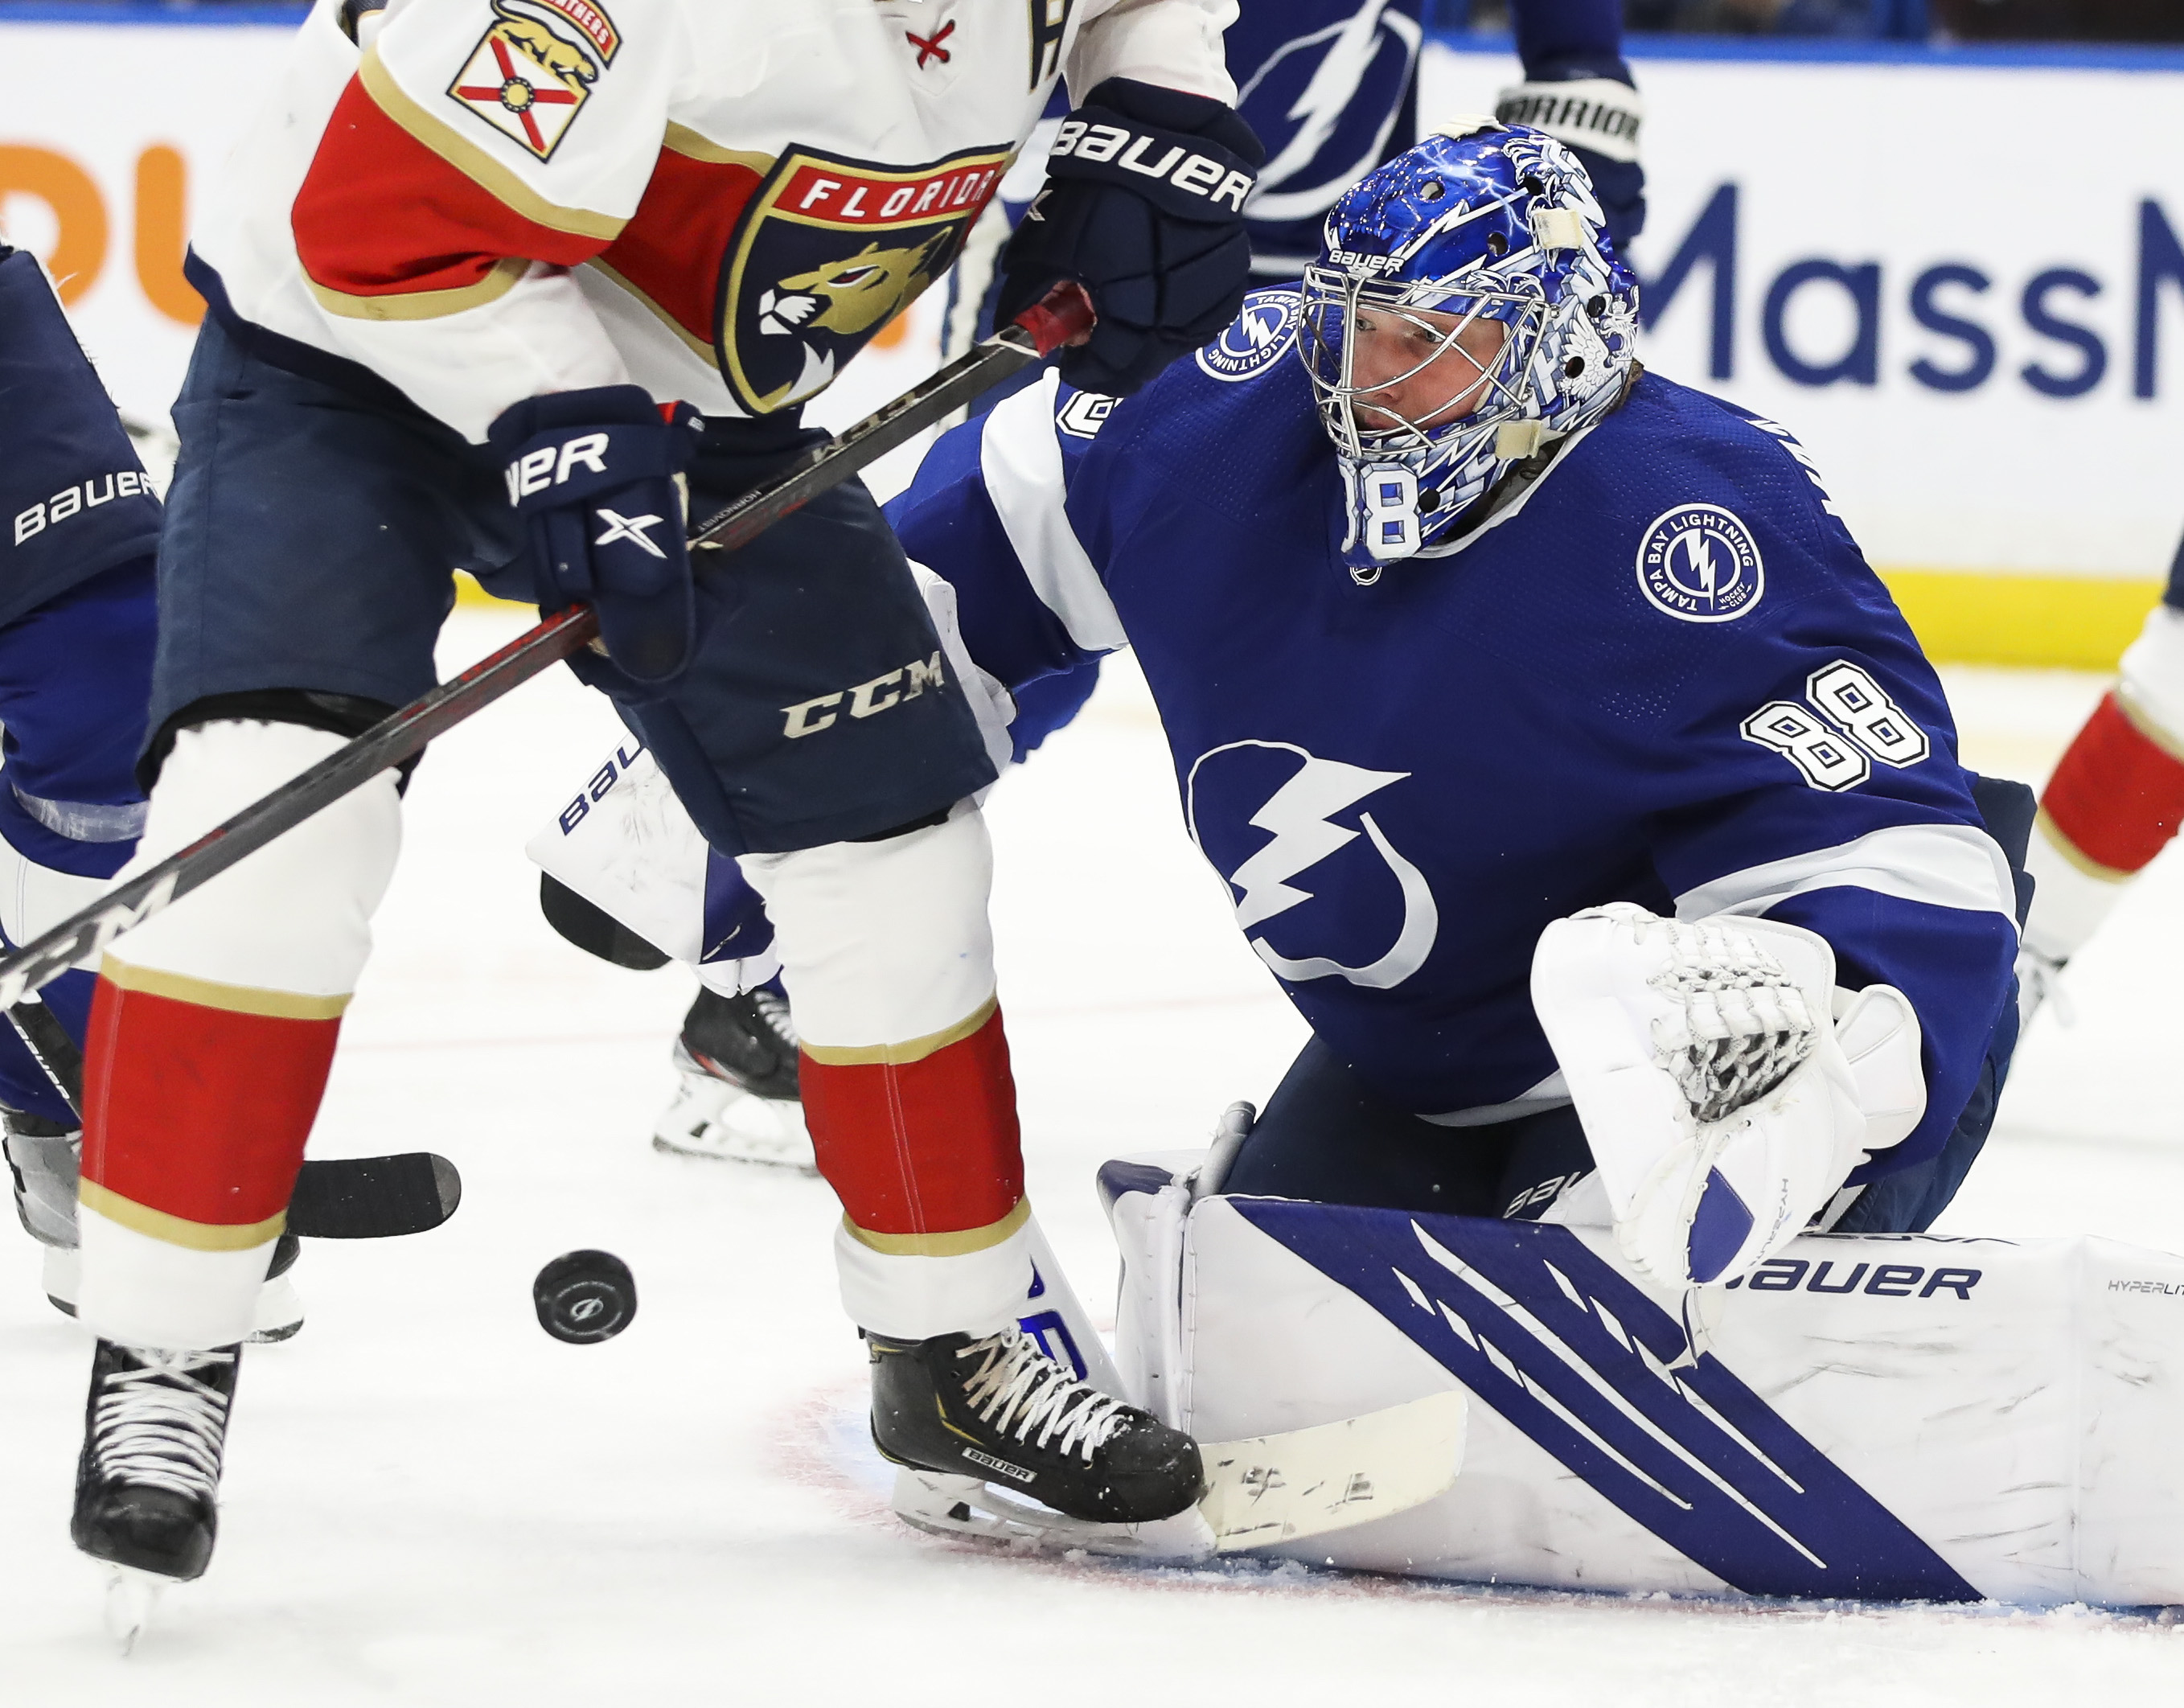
(1359, 417)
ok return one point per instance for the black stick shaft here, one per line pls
(405, 732)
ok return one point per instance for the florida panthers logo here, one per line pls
(1265, 813)
(828, 252)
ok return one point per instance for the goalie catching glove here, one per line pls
(595, 476)
(1143, 206)
(1726, 1087)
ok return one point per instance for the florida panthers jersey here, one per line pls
(1662, 674)
(721, 200)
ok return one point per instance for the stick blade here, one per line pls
(374, 1197)
(1281, 1488)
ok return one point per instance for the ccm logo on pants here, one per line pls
(809, 717)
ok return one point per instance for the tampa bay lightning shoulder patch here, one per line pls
(1699, 564)
(1256, 339)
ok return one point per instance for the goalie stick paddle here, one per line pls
(337, 1197)
(1039, 331)
(1259, 1492)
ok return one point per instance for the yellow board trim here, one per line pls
(233, 998)
(961, 1244)
(469, 592)
(176, 1230)
(902, 1054)
(423, 305)
(2080, 622)
(472, 161)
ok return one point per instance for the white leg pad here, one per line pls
(917, 1297)
(882, 942)
(2154, 672)
(294, 916)
(144, 1291)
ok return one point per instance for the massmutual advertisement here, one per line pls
(1957, 279)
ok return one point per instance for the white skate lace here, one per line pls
(1743, 1026)
(773, 1010)
(1018, 1389)
(160, 1424)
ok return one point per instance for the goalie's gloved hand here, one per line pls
(1143, 207)
(595, 476)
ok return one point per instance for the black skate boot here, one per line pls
(999, 1409)
(148, 1483)
(737, 1097)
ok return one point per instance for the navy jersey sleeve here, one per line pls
(1809, 769)
(989, 512)
(73, 497)
(1565, 40)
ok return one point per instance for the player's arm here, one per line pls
(1578, 89)
(1001, 507)
(475, 157)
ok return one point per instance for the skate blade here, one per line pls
(945, 1505)
(131, 1596)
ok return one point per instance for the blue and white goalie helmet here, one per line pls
(1428, 404)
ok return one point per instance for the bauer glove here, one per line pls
(1143, 207)
(595, 477)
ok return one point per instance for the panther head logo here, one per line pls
(851, 297)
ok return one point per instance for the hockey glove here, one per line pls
(1726, 1087)
(1598, 119)
(1143, 206)
(596, 478)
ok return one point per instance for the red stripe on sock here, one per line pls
(2117, 795)
(927, 1147)
(199, 1112)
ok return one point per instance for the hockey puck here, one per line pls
(585, 1296)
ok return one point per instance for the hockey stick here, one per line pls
(1039, 331)
(336, 1198)
(1259, 1493)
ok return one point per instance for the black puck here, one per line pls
(585, 1296)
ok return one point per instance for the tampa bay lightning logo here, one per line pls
(1700, 564)
(1325, 101)
(1263, 813)
(1255, 339)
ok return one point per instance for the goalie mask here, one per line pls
(1466, 312)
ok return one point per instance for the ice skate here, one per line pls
(735, 1060)
(999, 1410)
(147, 1486)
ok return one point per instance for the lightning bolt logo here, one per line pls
(1299, 816)
(1698, 551)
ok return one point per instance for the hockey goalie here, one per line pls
(1581, 786)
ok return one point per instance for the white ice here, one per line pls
(429, 1501)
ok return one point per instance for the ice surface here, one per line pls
(429, 1501)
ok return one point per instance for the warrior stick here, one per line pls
(1039, 331)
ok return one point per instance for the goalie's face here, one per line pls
(1419, 368)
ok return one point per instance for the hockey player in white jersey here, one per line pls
(505, 286)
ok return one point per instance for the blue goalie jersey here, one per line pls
(1662, 673)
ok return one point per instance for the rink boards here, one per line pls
(1896, 1417)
